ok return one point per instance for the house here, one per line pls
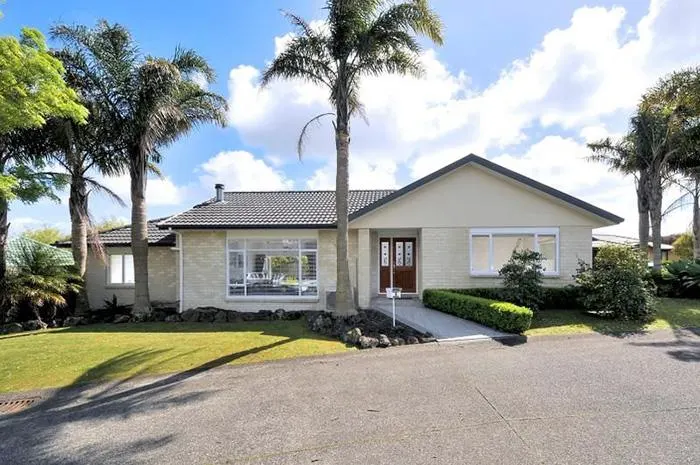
(600, 240)
(265, 250)
(21, 246)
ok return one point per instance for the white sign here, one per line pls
(393, 292)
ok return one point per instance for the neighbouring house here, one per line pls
(600, 240)
(454, 228)
(21, 245)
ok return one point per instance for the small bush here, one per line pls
(522, 279)
(504, 316)
(553, 298)
(617, 285)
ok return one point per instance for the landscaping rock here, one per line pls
(11, 328)
(174, 318)
(368, 342)
(221, 317)
(232, 317)
(353, 336)
(207, 315)
(279, 314)
(425, 340)
(75, 321)
(34, 325)
(412, 340)
(120, 319)
(159, 315)
(397, 341)
(384, 341)
(191, 315)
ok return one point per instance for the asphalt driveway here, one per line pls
(591, 400)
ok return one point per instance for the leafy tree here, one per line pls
(31, 89)
(46, 234)
(149, 102)
(31, 84)
(359, 38)
(110, 223)
(617, 284)
(683, 246)
(522, 279)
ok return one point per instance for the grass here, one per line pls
(67, 356)
(671, 313)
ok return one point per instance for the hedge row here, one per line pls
(499, 315)
(553, 298)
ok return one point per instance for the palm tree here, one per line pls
(150, 103)
(360, 38)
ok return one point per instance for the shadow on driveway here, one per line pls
(33, 436)
(685, 347)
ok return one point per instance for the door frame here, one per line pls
(378, 258)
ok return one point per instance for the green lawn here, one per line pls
(68, 356)
(671, 313)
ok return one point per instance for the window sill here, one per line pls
(273, 298)
(495, 275)
(119, 286)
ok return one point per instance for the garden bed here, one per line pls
(366, 330)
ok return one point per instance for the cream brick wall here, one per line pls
(444, 254)
(162, 277)
(205, 269)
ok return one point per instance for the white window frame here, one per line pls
(108, 271)
(491, 232)
(245, 250)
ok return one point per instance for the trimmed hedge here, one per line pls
(499, 315)
(553, 298)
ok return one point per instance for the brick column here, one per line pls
(364, 252)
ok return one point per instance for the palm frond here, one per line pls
(189, 62)
(306, 58)
(95, 186)
(302, 135)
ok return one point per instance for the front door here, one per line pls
(397, 263)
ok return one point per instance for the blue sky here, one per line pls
(524, 83)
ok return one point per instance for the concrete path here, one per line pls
(441, 325)
(587, 400)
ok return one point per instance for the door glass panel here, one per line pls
(399, 253)
(385, 254)
(408, 258)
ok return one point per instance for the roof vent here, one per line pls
(219, 188)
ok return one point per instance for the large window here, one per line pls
(272, 267)
(491, 248)
(121, 269)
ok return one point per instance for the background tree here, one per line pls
(359, 38)
(110, 223)
(150, 102)
(46, 235)
(683, 246)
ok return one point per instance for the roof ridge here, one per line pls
(305, 191)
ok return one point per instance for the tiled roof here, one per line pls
(20, 245)
(121, 236)
(286, 209)
(600, 240)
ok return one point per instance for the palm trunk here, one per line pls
(655, 212)
(643, 210)
(78, 209)
(696, 222)
(345, 303)
(139, 233)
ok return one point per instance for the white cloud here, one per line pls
(240, 170)
(363, 175)
(201, 80)
(158, 191)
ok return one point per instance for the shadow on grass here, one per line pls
(551, 320)
(37, 435)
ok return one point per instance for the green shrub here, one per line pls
(522, 279)
(504, 316)
(617, 285)
(678, 279)
(553, 298)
